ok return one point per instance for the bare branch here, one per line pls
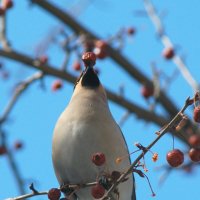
(47, 69)
(18, 91)
(12, 164)
(151, 11)
(25, 196)
(162, 132)
(117, 57)
(3, 37)
(133, 108)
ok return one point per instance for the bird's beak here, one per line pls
(89, 78)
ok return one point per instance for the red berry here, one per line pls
(130, 31)
(3, 150)
(77, 66)
(100, 53)
(89, 59)
(54, 194)
(147, 91)
(57, 84)
(194, 141)
(115, 175)
(101, 44)
(18, 145)
(43, 59)
(7, 4)
(2, 11)
(196, 114)
(194, 154)
(98, 159)
(100, 49)
(98, 191)
(175, 157)
(168, 53)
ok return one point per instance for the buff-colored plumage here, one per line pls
(85, 127)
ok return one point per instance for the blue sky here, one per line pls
(34, 116)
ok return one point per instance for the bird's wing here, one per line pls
(133, 197)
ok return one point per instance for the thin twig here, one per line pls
(18, 91)
(12, 163)
(132, 107)
(129, 67)
(3, 38)
(37, 193)
(162, 132)
(151, 11)
(139, 111)
(25, 196)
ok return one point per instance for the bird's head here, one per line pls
(88, 80)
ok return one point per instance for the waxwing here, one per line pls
(84, 128)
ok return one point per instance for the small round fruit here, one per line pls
(101, 44)
(57, 84)
(3, 150)
(54, 194)
(147, 91)
(77, 66)
(100, 49)
(100, 53)
(18, 145)
(194, 141)
(196, 114)
(43, 59)
(175, 158)
(98, 191)
(194, 154)
(2, 11)
(131, 31)
(168, 53)
(89, 59)
(98, 158)
(7, 4)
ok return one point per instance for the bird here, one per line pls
(86, 127)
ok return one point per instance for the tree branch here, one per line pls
(18, 91)
(133, 108)
(162, 132)
(115, 55)
(47, 69)
(151, 11)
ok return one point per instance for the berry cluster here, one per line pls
(100, 47)
(176, 157)
(99, 159)
(16, 146)
(54, 194)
